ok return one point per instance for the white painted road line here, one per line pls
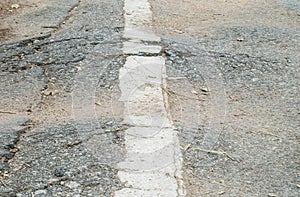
(153, 159)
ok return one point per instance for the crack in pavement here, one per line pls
(11, 136)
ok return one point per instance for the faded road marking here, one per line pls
(153, 159)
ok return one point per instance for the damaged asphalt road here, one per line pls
(233, 95)
(234, 86)
(65, 166)
(44, 151)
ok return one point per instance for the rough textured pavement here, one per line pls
(46, 148)
(233, 95)
(234, 86)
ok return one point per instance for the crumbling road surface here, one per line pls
(149, 98)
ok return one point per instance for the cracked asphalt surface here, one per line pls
(233, 89)
(44, 150)
(244, 80)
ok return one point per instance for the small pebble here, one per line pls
(59, 172)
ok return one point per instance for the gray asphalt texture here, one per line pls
(260, 129)
(41, 156)
(65, 166)
(244, 80)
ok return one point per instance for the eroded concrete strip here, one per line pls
(153, 159)
(137, 30)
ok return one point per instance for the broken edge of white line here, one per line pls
(153, 158)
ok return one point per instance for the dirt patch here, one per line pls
(10, 13)
(5, 11)
(194, 17)
(30, 18)
(4, 34)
